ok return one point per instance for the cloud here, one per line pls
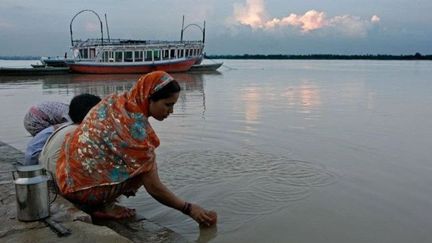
(349, 26)
(311, 20)
(375, 19)
(254, 15)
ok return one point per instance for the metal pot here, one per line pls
(32, 198)
(28, 171)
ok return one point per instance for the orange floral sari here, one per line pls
(114, 143)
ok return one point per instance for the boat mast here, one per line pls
(106, 25)
(182, 29)
(203, 31)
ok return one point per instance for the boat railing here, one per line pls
(120, 42)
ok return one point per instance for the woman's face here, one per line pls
(161, 109)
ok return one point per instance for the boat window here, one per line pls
(118, 56)
(84, 53)
(111, 56)
(149, 55)
(128, 56)
(157, 55)
(92, 52)
(138, 56)
(165, 54)
(172, 54)
(181, 53)
(187, 52)
(105, 56)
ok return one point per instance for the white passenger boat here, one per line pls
(114, 56)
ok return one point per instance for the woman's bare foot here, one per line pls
(114, 211)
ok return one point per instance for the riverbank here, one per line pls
(82, 227)
(381, 57)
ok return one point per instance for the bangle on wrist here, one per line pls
(187, 207)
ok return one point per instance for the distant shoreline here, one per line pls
(415, 57)
(18, 58)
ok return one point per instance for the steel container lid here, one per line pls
(31, 180)
(26, 168)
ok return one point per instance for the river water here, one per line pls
(284, 151)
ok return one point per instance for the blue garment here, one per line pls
(34, 147)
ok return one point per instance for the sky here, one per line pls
(235, 27)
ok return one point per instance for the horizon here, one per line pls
(417, 54)
(232, 27)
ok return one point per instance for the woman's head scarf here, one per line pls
(44, 115)
(114, 142)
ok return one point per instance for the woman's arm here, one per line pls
(162, 194)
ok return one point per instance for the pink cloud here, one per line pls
(253, 14)
(375, 19)
(311, 20)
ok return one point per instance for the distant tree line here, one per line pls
(20, 57)
(416, 56)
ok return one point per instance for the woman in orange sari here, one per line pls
(112, 152)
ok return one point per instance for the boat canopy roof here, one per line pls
(130, 42)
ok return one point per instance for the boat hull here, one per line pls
(205, 67)
(123, 68)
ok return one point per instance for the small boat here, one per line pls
(38, 65)
(54, 61)
(206, 67)
(124, 56)
(32, 71)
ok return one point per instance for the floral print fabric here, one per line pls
(115, 141)
(44, 115)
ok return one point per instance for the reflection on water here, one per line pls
(103, 85)
(280, 149)
(251, 98)
(24, 91)
(305, 97)
(245, 186)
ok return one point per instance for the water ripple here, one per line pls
(253, 183)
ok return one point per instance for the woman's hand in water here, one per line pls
(203, 217)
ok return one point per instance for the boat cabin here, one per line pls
(135, 51)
